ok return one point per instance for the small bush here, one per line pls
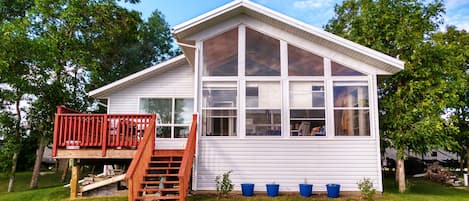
(224, 184)
(366, 189)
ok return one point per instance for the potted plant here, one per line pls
(306, 189)
(272, 189)
(247, 189)
(333, 190)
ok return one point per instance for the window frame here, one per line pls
(173, 124)
(221, 84)
(327, 78)
(324, 108)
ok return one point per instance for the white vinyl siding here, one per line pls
(288, 162)
(176, 82)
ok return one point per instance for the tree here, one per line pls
(413, 100)
(86, 42)
(458, 42)
(16, 78)
(140, 45)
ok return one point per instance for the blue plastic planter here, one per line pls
(272, 189)
(306, 190)
(333, 190)
(247, 189)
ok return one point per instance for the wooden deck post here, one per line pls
(74, 178)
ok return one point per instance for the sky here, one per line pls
(313, 12)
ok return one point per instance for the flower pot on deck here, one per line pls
(272, 189)
(247, 189)
(306, 190)
(333, 190)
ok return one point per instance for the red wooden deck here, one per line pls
(79, 135)
(92, 132)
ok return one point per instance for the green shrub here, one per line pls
(224, 184)
(366, 189)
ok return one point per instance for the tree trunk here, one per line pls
(14, 161)
(37, 163)
(65, 170)
(461, 164)
(401, 172)
(467, 159)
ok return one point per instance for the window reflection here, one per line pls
(262, 54)
(303, 63)
(341, 70)
(220, 55)
(351, 112)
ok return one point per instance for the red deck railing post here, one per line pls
(104, 133)
(56, 131)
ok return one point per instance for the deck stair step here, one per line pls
(160, 180)
(156, 197)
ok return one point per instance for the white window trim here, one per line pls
(173, 104)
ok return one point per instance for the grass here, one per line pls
(418, 190)
(23, 178)
(51, 190)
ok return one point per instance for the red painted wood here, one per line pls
(187, 160)
(142, 157)
(98, 130)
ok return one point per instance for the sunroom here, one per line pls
(253, 84)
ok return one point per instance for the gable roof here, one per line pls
(138, 76)
(388, 64)
(385, 63)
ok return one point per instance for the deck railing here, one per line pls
(187, 160)
(142, 157)
(73, 130)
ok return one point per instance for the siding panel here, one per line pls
(176, 82)
(287, 162)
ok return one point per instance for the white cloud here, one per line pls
(311, 4)
(450, 4)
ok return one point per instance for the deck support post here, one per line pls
(74, 178)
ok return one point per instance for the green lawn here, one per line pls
(51, 190)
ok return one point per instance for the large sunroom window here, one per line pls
(174, 115)
(221, 55)
(219, 108)
(262, 54)
(351, 109)
(304, 63)
(263, 104)
(341, 70)
(307, 109)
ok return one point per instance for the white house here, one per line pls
(278, 100)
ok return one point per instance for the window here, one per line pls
(219, 108)
(303, 63)
(351, 109)
(174, 115)
(341, 70)
(263, 103)
(262, 54)
(221, 55)
(307, 109)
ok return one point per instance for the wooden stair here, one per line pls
(161, 174)
(160, 180)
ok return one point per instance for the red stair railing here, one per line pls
(187, 160)
(140, 161)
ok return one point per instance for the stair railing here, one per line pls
(140, 161)
(187, 160)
